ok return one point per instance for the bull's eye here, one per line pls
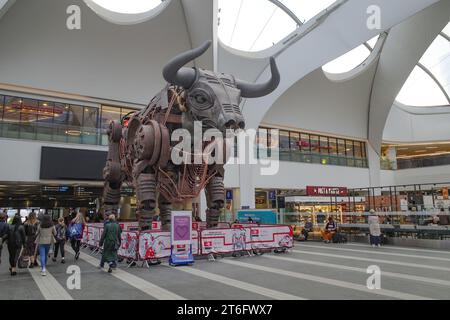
(200, 99)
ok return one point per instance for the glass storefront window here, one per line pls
(43, 120)
(74, 123)
(357, 148)
(44, 125)
(295, 146)
(284, 146)
(262, 143)
(2, 103)
(108, 114)
(314, 144)
(90, 120)
(324, 145)
(11, 117)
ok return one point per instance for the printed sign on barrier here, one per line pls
(225, 240)
(155, 245)
(93, 235)
(271, 237)
(129, 245)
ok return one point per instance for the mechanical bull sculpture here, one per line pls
(140, 144)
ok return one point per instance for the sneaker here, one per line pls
(43, 273)
(379, 245)
(110, 270)
(54, 259)
(77, 255)
(63, 261)
(373, 246)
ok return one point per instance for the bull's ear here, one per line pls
(175, 73)
(251, 90)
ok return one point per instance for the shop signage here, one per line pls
(229, 195)
(445, 193)
(326, 191)
(272, 195)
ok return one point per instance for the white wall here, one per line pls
(416, 176)
(403, 126)
(101, 60)
(20, 160)
(299, 175)
(318, 104)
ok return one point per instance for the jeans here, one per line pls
(376, 240)
(59, 246)
(43, 253)
(75, 244)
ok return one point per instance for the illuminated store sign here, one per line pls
(326, 191)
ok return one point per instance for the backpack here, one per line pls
(75, 231)
(339, 238)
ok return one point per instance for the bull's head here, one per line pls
(213, 98)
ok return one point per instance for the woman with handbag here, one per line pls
(76, 233)
(45, 237)
(110, 240)
(16, 239)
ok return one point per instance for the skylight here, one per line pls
(128, 6)
(250, 25)
(351, 59)
(429, 83)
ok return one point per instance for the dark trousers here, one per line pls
(376, 240)
(59, 246)
(13, 256)
(75, 244)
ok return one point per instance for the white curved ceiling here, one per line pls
(250, 25)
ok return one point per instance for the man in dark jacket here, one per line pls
(16, 239)
(3, 230)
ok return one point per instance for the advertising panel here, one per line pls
(225, 240)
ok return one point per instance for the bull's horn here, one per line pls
(175, 73)
(250, 90)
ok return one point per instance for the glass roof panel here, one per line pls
(348, 61)
(251, 25)
(129, 6)
(437, 60)
(421, 90)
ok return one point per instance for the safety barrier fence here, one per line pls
(156, 244)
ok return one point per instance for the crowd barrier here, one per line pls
(226, 238)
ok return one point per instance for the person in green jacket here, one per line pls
(110, 240)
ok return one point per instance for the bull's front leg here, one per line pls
(145, 184)
(112, 172)
(215, 197)
(165, 212)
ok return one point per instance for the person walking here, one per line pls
(374, 229)
(44, 239)
(16, 240)
(60, 240)
(110, 240)
(76, 233)
(3, 230)
(31, 227)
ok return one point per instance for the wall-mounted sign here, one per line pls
(272, 195)
(229, 195)
(326, 191)
(445, 193)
